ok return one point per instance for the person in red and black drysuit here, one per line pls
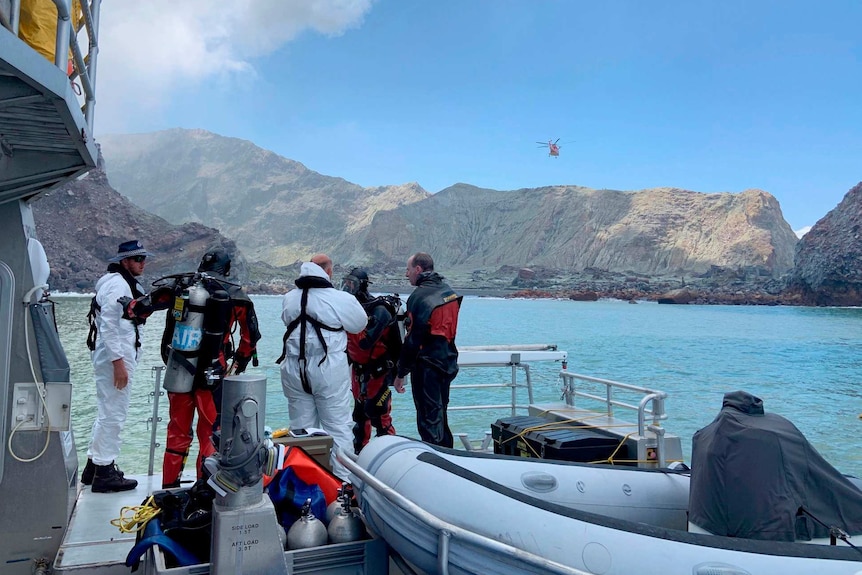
(429, 354)
(233, 309)
(372, 354)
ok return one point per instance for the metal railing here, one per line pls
(650, 397)
(84, 66)
(446, 531)
(512, 360)
(155, 419)
(514, 385)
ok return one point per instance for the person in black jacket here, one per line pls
(372, 354)
(429, 354)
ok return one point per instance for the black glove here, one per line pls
(124, 302)
(140, 308)
(240, 362)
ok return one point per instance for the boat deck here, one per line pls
(92, 545)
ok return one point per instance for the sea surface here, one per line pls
(805, 363)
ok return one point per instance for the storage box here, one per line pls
(317, 446)
(528, 436)
(509, 435)
(366, 557)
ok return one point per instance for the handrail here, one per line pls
(66, 38)
(155, 419)
(515, 365)
(15, 15)
(7, 311)
(651, 397)
(447, 531)
(511, 347)
(515, 357)
(64, 32)
(569, 393)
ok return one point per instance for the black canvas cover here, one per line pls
(753, 472)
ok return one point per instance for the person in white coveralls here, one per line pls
(315, 375)
(115, 342)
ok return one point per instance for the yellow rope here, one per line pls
(622, 442)
(135, 518)
(557, 425)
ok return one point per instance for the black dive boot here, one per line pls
(109, 478)
(88, 473)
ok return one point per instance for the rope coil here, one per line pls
(134, 518)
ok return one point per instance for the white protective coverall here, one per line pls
(115, 339)
(329, 405)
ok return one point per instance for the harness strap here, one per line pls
(375, 367)
(302, 320)
(137, 291)
(91, 319)
(303, 375)
(181, 358)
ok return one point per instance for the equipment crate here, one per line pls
(365, 557)
(528, 436)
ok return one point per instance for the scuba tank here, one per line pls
(347, 525)
(334, 508)
(188, 312)
(215, 325)
(307, 531)
(400, 315)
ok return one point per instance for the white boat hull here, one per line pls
(445, 487)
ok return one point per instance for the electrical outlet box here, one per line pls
(26, 407)
(58, 403)
(29, 413)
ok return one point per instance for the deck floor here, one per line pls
(92, 544)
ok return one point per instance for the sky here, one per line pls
(695, 94)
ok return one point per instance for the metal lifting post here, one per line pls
(155, 419)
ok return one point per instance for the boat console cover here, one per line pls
(754, 475)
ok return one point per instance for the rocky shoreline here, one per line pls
(773, 293)
(710, 290)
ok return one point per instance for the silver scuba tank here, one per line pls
(188, 312)
(400, 317)
(308, 531)
(334, 508)
(347, 525)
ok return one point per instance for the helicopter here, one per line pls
(553, 147)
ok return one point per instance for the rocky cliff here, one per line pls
(82, 223)
(828, 263)
(656, 232)
(277, 210)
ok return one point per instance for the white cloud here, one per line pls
(150, 49)
(802, 232)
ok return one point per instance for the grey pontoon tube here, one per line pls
(447, 531)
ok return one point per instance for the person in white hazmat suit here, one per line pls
(116, 346)
(315, 375)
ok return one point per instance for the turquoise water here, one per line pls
(805, 363)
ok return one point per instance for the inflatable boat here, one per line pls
(658, 496)
(453, 511)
